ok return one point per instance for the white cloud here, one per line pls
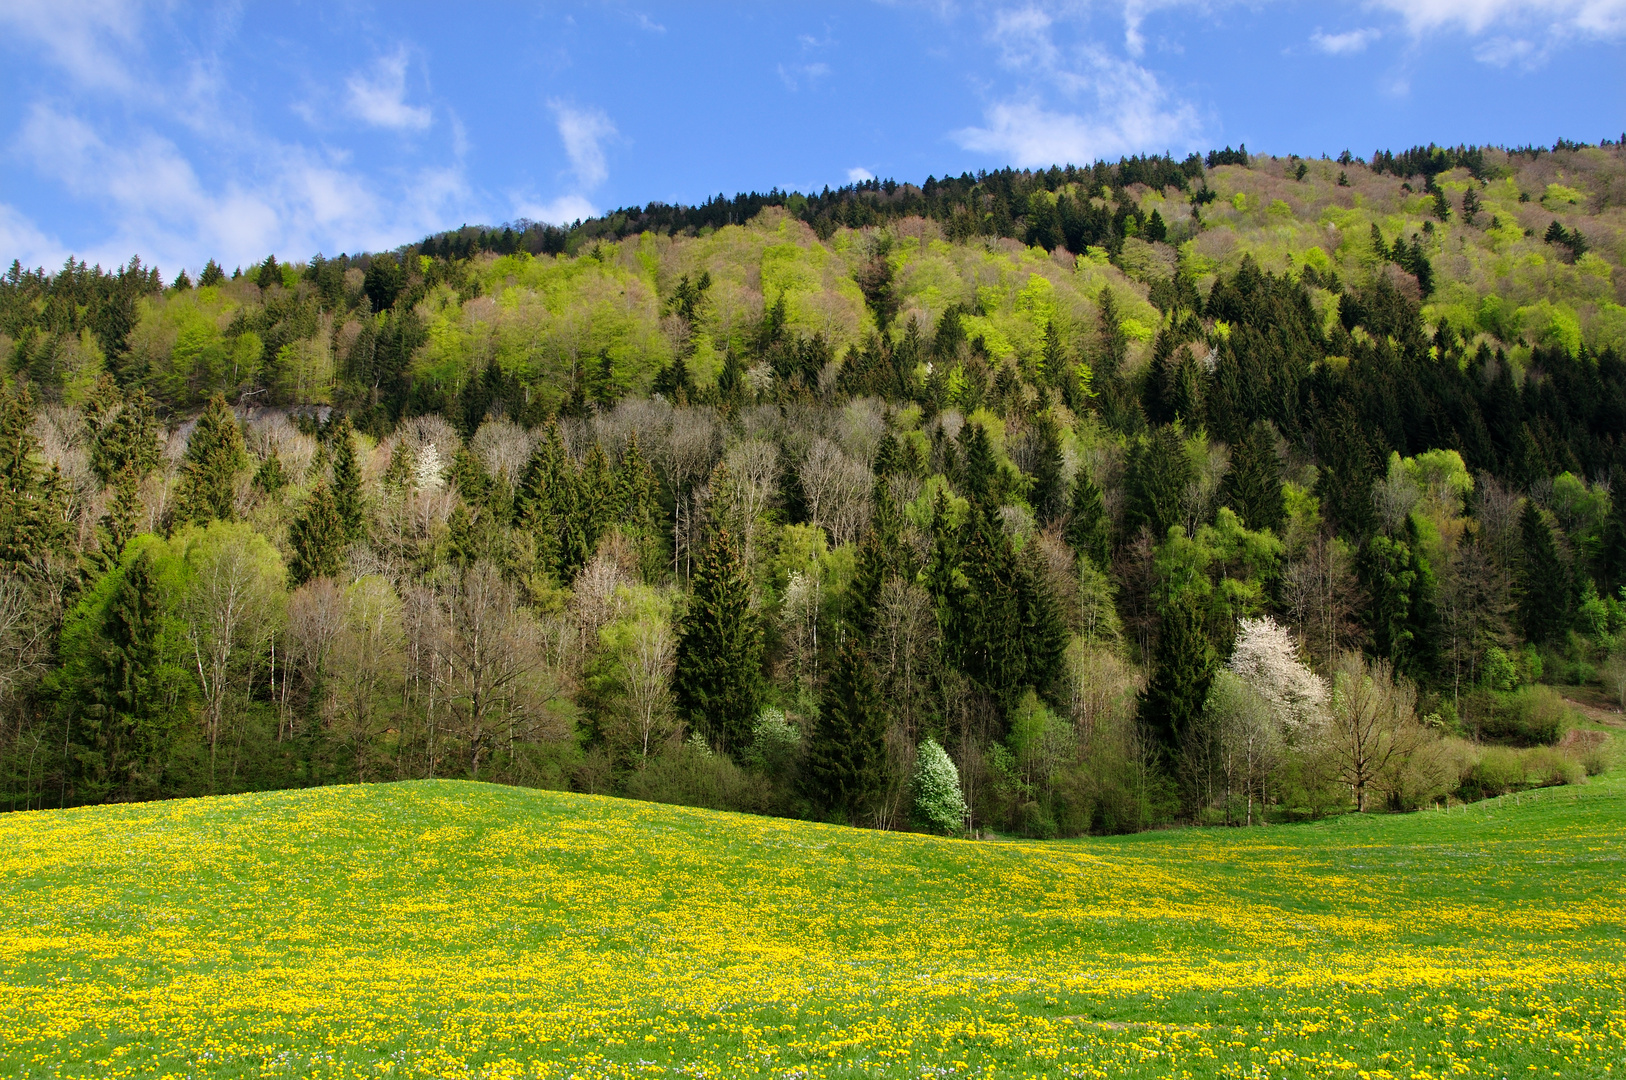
(1079, 104)
(1590, 18)
(1350, 41)
(858, 174)
(298, 204)
(90, 40)
(584, 132)
(22, 240)
(379, 99)
(795, 75)
(565, 210)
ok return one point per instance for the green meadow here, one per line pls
(444, 928)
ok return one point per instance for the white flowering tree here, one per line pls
(1267, 660)
(939, 803)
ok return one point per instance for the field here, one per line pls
(466, 930)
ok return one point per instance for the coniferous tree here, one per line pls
(397, 477)
(347, 497)
(980, 469)
(123, 517)
(212, 275)
(1423, 658)
(1044, 630)
(1544, 603)
(270, 477)
(318, 538)
(1045, 494)
(1088, 529)
(717, 680)
(1388, 579)
(123, 677)
(33, 510)
(1253, 486)
(1612, 551)
(1183, 666)
(1159, 472)
(214, 457)
(123, 430)
(987, 622)
(846, 752)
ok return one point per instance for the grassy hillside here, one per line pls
(458, 929)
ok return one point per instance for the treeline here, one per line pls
(870, 589)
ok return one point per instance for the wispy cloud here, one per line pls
(1593, 18)
(91, 41)
(565, 210)
(1346, 43)
(796, 76)
(1079, 102)
(299, 202)
(858, 175)
(378, 97)
(584, 132)
(22, 240)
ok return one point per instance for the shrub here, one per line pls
(939, 805)
(1499, 770)
(1529, 716)
(775, 743)
(692, 775)
(1546, 767)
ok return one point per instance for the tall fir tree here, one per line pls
(214, 456)
(1044, 630)
(717, 680)
(1183, 666)
(1159, 472)
(1612, 550)
(988, 622)
(317, 536)
(347, 495)
(1544, 586)
(1388, 578)
(1088, 529)
(123, 517)
(1253, 485)
(1046, 493)
(33, 500)
(123, 678)
(846, 752)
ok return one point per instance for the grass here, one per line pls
(463, 930)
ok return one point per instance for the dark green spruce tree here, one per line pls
(1387, 576)
(1089, 531)
(123, 679)
(318, 538)
(1046, 492)
(1183, 666)
(347, 497)
(214, 457)
(717, 681)
(33, 500)
(1253, 486)
(1544, 586)
(1159, 472)
(846, 752)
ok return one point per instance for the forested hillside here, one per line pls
(1212, 490)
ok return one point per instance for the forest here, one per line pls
(1227, 490)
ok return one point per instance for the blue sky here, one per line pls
(185, 132)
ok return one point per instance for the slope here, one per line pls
(454, 929)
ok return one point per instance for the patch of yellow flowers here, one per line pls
(462, 930)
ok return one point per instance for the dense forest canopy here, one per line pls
(1071, 499)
